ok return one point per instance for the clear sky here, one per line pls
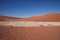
(27, 8)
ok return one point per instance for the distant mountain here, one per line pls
(48, 17)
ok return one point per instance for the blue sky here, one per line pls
(28, 8)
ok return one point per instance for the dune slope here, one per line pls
(48, 17)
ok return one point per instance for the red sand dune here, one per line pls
(48, 17)
(7, 18)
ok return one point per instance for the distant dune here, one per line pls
(48, 17)
(7, 18)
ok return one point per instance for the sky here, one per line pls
(28, 8)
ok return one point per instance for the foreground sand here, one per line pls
(29, 33)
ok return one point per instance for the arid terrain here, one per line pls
(53, 17)
(31, 33)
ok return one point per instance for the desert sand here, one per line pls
(31, 33)
(53, 17)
